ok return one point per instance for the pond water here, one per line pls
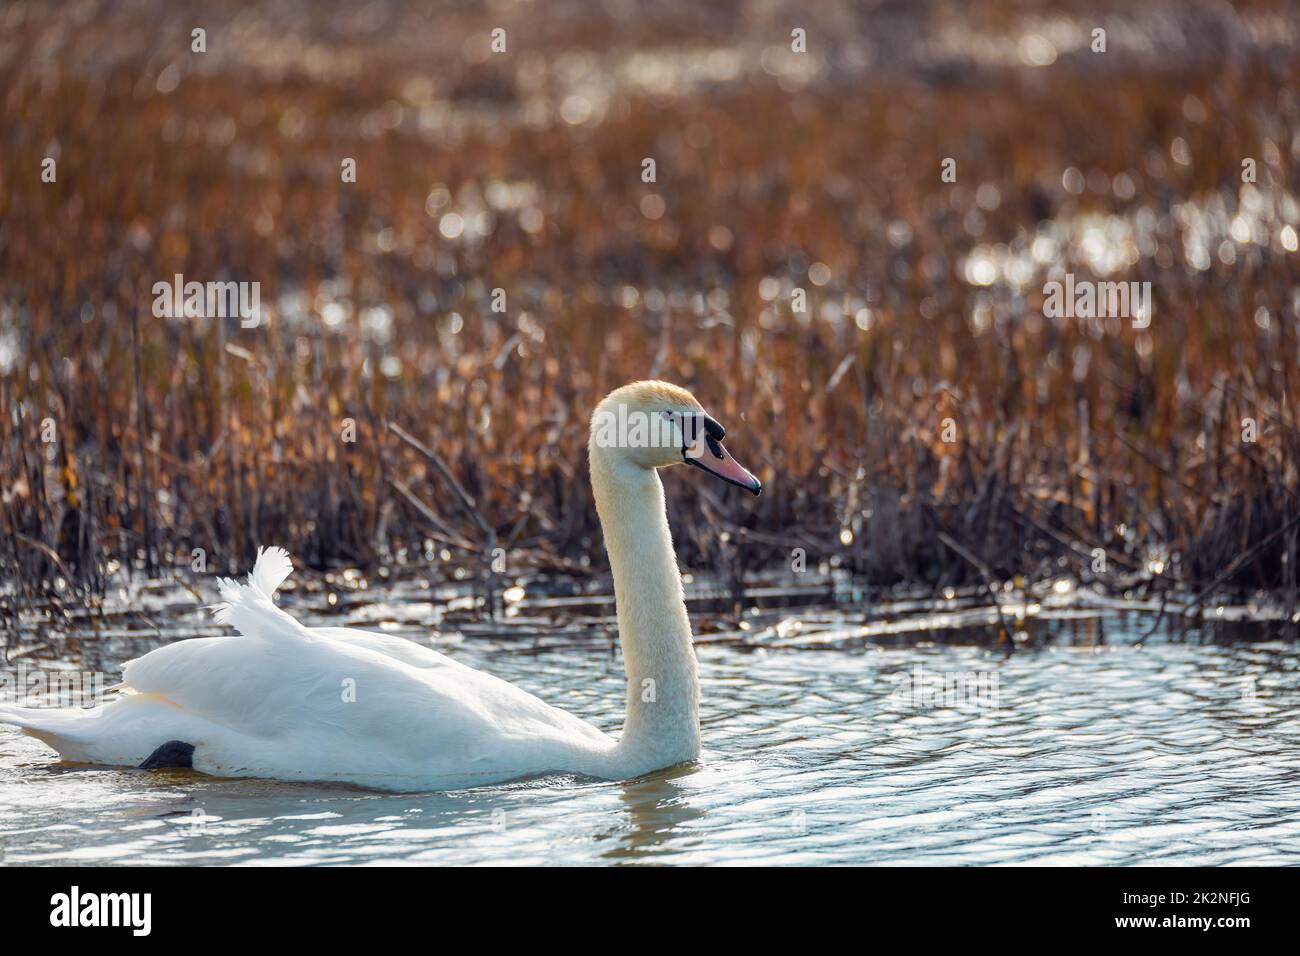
(1106, 737)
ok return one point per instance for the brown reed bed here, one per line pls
(1073, 438)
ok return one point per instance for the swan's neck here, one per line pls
(662, 726)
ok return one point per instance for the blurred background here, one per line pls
(775, 171)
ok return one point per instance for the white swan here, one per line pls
(286, 701)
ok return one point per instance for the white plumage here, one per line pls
(291, 702)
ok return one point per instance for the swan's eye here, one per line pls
(690, 425)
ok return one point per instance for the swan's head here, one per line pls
(657, 424)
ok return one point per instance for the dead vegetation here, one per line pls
(1072, 436)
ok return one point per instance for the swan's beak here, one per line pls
(707, 453)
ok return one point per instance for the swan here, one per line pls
(285, 701)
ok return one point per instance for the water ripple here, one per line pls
(1158, 753)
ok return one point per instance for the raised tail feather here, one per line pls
(246, 607)
(269, 572)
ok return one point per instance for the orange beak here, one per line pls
(706, 452)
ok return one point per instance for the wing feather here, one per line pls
(269, 572)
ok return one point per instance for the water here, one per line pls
(1093, 743)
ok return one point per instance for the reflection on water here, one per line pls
(1214, 227)
(656, 810)
(1091, 743)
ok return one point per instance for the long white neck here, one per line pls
(662, 726)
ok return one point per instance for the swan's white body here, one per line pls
(287, 701)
